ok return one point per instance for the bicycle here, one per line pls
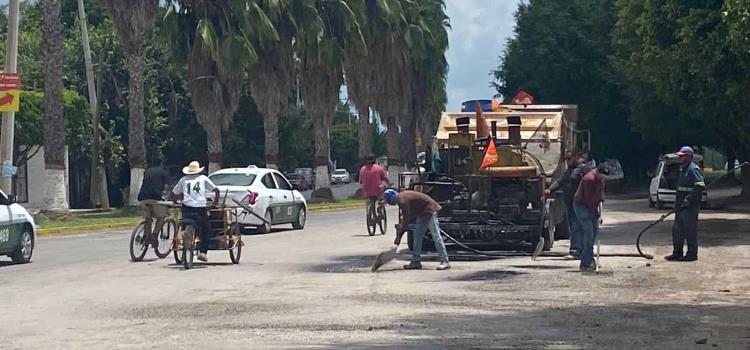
(376, 216)
(161, 241)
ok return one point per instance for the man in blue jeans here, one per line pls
(588, 208)
(568, 182)
(419, 208)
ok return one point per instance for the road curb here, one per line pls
(84, 229)
(334, 207)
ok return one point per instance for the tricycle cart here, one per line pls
(225, 235)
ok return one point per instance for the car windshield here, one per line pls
(232, 179)
(340, 172)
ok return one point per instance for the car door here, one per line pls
(286, 195)
(8, 241)
(275, 200)
(654, 187)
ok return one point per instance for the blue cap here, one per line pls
(686, 151)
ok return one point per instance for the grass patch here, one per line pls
(343, 203)
(82, 221)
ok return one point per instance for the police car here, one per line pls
(267, 192)
(17, 230)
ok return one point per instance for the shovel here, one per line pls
(389, 254)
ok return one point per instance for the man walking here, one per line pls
(568, 182)
(687, 204)
(419, 208)
(153, 188)
(588, 208)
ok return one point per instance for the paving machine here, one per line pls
(503, 203)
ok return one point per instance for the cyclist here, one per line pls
(373, 181)
(193, 187)
(155, 184)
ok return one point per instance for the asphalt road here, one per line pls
(313, 289)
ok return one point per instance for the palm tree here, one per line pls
(218, 41)
(132, 18)
(55, 192)
(273, 77)
(324, 44)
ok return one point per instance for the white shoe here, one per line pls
(202, 257)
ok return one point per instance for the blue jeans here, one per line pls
(421, 226)
(575, 230)
(589, 224)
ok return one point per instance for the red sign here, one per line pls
(10, 81)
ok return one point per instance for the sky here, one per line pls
(477, 38)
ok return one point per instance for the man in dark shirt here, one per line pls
(588, 208)
(419, 208)
(155, 184)
(687, 205)
(568, 182)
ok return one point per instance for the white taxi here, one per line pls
(267, 192)
(17, 230)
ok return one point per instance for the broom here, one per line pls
(389, 254)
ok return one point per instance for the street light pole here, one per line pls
(11, 63)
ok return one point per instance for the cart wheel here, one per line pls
(383, 222)
(188, 247)
(165, 238)
(178, 257)
(138, 242)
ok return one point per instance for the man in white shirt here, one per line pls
(193, 188)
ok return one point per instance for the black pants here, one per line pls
(685, 228)
(200, 216)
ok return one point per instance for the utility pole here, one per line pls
(98, 190)
(11, 63)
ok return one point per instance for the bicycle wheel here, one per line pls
(138, 242)
(371, 222)
(236, 240)
(164, 239)
(383, 222)
(188, 247)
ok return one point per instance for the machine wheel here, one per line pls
(165, 238)
(266, 228)
(138, 247)
(23, 254)
(562, 231)
(301, 218)
(188, 249)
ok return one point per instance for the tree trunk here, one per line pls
(408, 143)
(271, 130)
(364, 134)
(322, 151)
(215, 149)
(136, 124)
(394, 153)
(55, 191)
(745, 179)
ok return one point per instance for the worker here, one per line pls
(690, 187)
(568, 182)
(154, 189)
(192, 190)
(588, 208)
(422, 210)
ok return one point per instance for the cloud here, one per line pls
(479, 31)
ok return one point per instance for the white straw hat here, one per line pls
(192, 168)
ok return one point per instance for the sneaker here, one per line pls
(414, 265)
(444, 265)
(572, 257)
(672, 258)
(689, 258)
(202, 257)
(588, 269)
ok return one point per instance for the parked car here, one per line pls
(17, 230)
(663, 189)
(340, 176)
(299, 181)
(309, 175)
(267, 192)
